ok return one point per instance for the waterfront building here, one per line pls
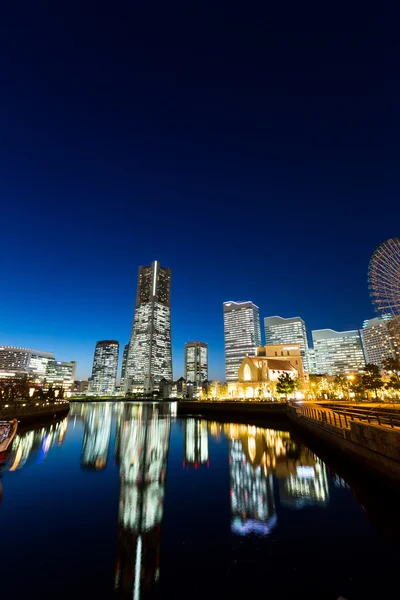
(338, 352)
(377, 340)
(149, 357)
(279, 330)
(16, 361)
(195, 443)
(258, 374)
(104, 371)
(123, 366)
(81, 387)
(61, 373)
(242, 334)
(196, 362)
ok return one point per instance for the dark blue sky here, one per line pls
(252, 149)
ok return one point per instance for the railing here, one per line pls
(21, 409)
(342, 416)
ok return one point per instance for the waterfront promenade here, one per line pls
(27, 412)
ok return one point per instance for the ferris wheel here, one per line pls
(384, 281)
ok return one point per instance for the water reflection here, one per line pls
(96, 438)
(266, 480)
(141, 448)
(34, 444)
(256, 457)
(195, 443)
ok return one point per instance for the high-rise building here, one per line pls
(196, 362)
(123, 366)
(312, 362)
(150, 352)
(104, 371)
(16, 361)
(242, 334)
(338, 352)
(61, 373)
(290, 331)
(378, 343)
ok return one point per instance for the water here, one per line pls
(126, 501)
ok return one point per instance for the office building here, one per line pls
(280, 331)
(149, 357)
(338, 352)
(196, 362)
(312, 363)
(104, 371)
(81, 386)
(61, 373)
(123, 366)
(242, 334)
(16, 361)
(378, 342)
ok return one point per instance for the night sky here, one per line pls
(250, 147)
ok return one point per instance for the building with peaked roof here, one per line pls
(258, 374)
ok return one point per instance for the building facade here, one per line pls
(123, 366)
(258, 374)
(149, 358)
(196, 362)
(288, 331)
(105, 366)
(338, 352)
(242, 335)
(378, 343)
(61, 373)
(16, 361)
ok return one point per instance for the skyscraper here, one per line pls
(242, 334)
(196, 362)
(123, 366)
(150, 353)
(377, 340)
(288, 331)
(338, 352)
(104, 371)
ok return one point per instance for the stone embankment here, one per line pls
(27, 412)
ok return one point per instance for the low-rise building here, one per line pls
(258, 374)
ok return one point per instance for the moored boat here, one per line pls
(8, 429)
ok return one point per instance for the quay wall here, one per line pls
(36, 411)
(375, 447)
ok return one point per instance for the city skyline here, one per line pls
(110, 161)
(181, 351)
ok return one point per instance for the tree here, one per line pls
(341, 384)
(371, 378)
(392, 366)
(285, 384)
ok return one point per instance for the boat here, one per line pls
(8, 429)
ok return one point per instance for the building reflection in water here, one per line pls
(96, 437)
(195, 443)
(258, 456)
(142, 444)
(35, 443)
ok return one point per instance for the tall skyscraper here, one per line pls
(105, 366)
(242, 334)
(196, 362)
(150, 352)
(288, 331)
(378, 343)
(338, 352)
(123, 366)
